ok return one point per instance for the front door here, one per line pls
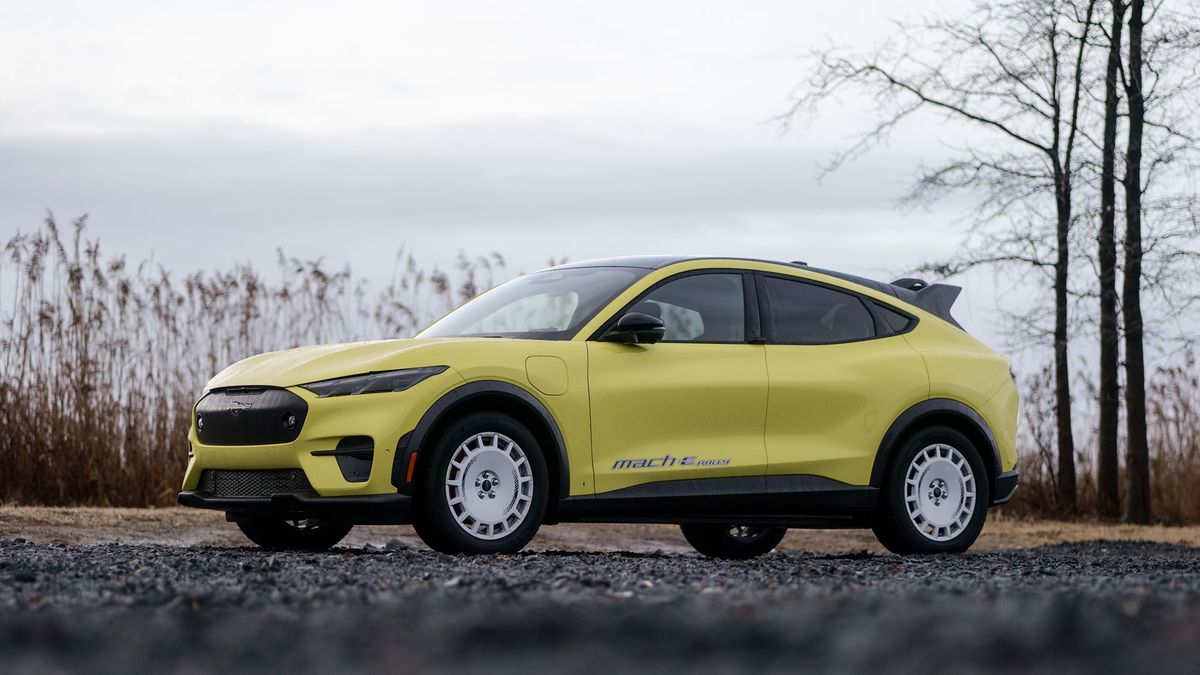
(692, 406)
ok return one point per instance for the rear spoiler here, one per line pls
(937, 299)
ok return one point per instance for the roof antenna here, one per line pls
(801, 263)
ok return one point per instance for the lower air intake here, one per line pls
(261, 483)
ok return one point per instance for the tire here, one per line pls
(732, 542)
(306, 534)
(935, 495)
(483, 489)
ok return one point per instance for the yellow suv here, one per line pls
(736, 398)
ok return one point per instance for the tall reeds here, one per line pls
(1173, 404)
(101, 360)
(1173, 399)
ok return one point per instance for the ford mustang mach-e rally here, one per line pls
(735, 398)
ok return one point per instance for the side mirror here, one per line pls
(636, 328)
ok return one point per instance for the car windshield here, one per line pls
(549, 305)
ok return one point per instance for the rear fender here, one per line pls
(935, 411)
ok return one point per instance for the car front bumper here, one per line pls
(385, 509)
(373, 425)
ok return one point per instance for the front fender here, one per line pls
(462, 396)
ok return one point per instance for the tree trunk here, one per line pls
(1137, 459)
(1063, 180)
(1062, 365)
(1108, 490)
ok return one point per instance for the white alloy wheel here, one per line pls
(489, 485)
(939, 492)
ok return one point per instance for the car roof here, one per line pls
(935, 298)
(646, 262)
(654, 262)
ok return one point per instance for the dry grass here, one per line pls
(1174, 419)
(102, 360)
(1173, 404)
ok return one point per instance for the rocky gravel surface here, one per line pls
(1083, 607)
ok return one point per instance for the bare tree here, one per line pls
(1166, 265)
(1161, 78)
(1016, 69)
(1137, 457)
(1170, 213)
(1107, 455)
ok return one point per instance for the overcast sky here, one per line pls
(211, 132)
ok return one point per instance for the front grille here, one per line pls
(250, 416)
(261, 483)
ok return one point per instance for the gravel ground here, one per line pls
(1101, 606)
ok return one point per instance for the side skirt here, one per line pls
(783, 501)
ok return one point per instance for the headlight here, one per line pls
(372, 383)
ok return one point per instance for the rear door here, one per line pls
(692, 406)
(840, 372)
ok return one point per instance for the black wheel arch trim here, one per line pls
(414, 440)
(913, 417)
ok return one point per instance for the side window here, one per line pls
(898, 322)
(804, 313)
(699, 308)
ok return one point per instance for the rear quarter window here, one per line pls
(898, 322)
(804, 313)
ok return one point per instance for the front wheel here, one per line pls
(294, 534)
(935, 495)
(484, 489)
(732, 542)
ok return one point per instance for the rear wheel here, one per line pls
(294, 534)
(735, 542)
(935, 495)
(484, 489)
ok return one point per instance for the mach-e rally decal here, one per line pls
(667, 461)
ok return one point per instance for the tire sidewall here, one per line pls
(901, 526)
(436, 509)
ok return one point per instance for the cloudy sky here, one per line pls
(204, 133)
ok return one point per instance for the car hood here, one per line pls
(323, 362)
